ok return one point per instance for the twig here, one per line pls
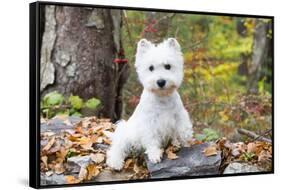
(264, 133)
(253, 135)
(128, 29)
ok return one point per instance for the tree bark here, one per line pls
(260, 54)
(78, 49)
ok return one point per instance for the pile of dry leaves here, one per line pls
(257, 153)
(85, 139)
(90, 137)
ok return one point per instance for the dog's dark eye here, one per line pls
(167, 66)
(151, 68)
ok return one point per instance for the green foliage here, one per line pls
(52, 99)
(247, 156)
(92, 103)
(54, 103)
(207, 135)
(76, 102)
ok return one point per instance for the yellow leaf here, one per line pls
(84, 140)
(106, 140)
(93, 171)
(71, 179)
(224, 117)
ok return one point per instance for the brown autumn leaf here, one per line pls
(264, 156)
(79, 130)
(87, 146)
(84, 140)
(93, 171)
(128, 163)
(210, 151)
(83, 173)
(45, 160)
(59, 169)
(170, 153)
(61, 155)
(49, 144)
(251, 148)
(136, 168)
(97, 157)
(106, 140)
(71, 179)
(99, 140)
(75, 137)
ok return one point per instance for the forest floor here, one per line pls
(75, 150)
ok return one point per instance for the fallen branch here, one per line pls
(253, 135)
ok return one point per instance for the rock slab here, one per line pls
(236, 168)
(191, 161)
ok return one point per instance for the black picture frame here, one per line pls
(34, 92)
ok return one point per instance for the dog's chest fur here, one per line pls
(158, 115)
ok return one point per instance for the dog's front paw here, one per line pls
(115, 164)
(155, 156)
(114, 159)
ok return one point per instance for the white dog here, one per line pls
(160, 114)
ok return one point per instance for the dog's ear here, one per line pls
(143, 46)
(173, 43)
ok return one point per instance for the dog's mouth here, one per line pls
(164, 91)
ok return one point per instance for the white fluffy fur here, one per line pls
(160, 114)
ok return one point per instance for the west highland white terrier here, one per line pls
(160, 115)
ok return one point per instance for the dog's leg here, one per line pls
(117, 154)
(153, 150)
(184, 130)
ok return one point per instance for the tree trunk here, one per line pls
(78, 49)
(260, 54)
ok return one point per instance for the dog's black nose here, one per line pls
(161, 83)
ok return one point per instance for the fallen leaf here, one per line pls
(210, 151)
(93, 171)
(48, 134)
(45, 160)
(71, 179)
(84, 140)
(59, 169)
(97, 157)
(83, 173)
(50, 144)
(136, 168)
(128, 163)
(170, 153)
(106, 140)
(99, 140)
(251, 148)
(49, 173)
(264, 156)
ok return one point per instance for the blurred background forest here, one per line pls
(87, 66)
